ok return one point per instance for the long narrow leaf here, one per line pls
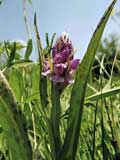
(104, 94)
(8, 100)
(43, 79)
(28, 49)
(12, 133)
(43, 89)
(78, 91)
(12, 54)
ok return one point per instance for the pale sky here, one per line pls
(77, 17)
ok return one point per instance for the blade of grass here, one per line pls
(43, 79)
(105, 94)
(94, 130)
(43, 90)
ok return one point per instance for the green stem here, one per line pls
(55, 119)
(94, 130)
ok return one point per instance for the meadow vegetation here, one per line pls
(42, 119)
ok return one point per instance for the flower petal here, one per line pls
(58, 69)
(74, 63)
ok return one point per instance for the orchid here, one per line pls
(62, 61)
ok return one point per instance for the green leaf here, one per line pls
(17, 84)
(11, 133)
(20, 45)
(39, 45)
(42, 79)
(21, 63)
(52, 39)
(13, 123)
(33, 96)
(47, 40)
(41, 86)
(103, 94)
(12, 54)
(78, 91)
(35, 79)
(28, 49)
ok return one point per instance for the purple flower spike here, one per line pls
(63, 46)
(62, 62)
(57, 59)
(59, 69)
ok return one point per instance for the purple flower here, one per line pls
(58, 59)
(59, 69)
(63, 46)
(62, 61)
(74, 63)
